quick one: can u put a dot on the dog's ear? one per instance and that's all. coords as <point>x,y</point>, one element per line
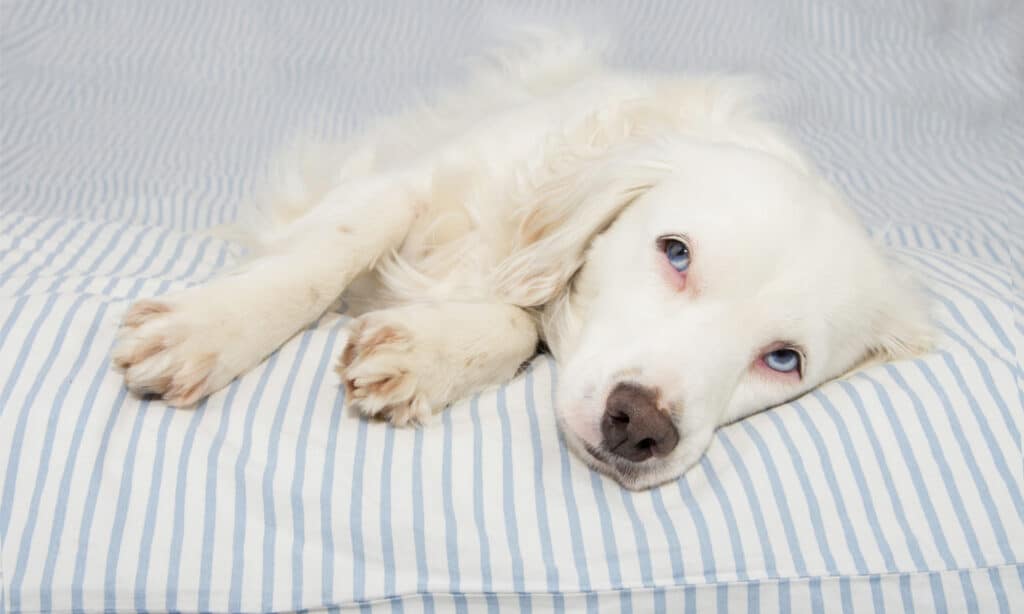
<point>903,327</point>
<point>574,197</point>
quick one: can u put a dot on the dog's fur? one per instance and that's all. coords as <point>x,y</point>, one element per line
<point>528,208</point>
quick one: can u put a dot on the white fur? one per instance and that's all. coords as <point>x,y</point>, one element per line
<point>526,207</point>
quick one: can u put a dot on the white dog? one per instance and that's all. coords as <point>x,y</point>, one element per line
<point>677,254</point>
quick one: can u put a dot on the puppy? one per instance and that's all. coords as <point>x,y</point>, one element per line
<point>679,256</point>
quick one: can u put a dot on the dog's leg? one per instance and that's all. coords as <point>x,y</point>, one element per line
<point>404,364</point>
<point>188,344</point>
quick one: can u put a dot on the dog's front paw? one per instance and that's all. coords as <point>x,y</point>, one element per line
<point>167,349</point>
<point>385,372</point>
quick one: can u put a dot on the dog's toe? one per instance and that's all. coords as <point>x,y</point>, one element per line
<point>161,353</point>
<point>380,370</point>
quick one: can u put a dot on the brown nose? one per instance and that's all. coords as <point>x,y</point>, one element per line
<point>633,427</point>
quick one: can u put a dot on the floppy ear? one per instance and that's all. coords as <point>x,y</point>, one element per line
<point>903,327</point>
<point>573,198</point>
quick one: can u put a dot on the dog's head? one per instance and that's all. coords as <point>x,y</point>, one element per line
<point>696,283</point>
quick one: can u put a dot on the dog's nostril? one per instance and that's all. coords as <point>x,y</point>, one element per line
<point>618,417</point>
<point>634,427</point>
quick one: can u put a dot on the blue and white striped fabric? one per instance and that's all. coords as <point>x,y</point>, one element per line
<point>127,127</point>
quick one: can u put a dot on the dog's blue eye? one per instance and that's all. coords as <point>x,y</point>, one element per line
<point>783,360</point>
<point>678,254</point>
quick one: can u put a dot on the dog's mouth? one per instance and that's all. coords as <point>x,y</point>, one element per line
<point>629,474</point>
<point>597,455</point>
<point>621,466</point>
